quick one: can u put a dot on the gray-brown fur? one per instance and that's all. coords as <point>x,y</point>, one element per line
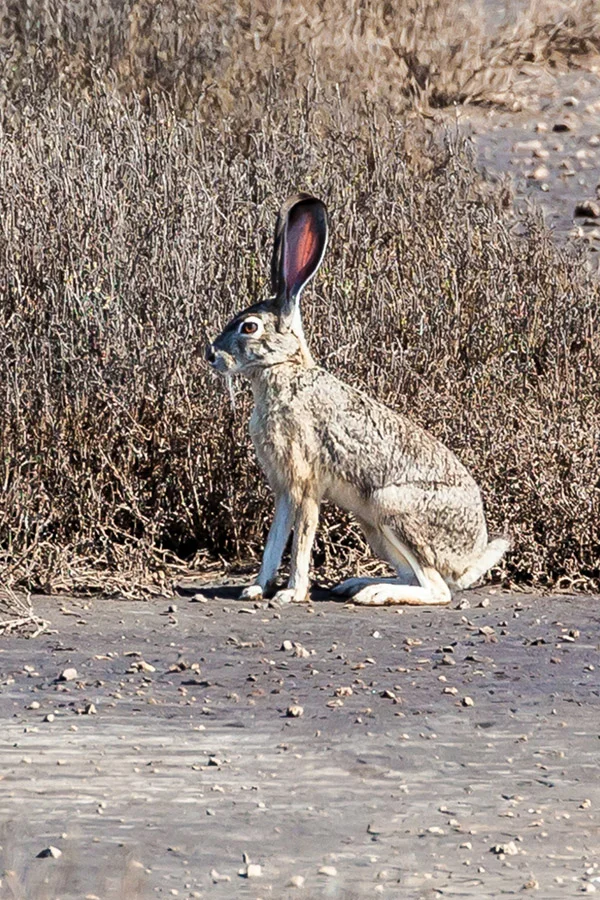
<point>318,438</point>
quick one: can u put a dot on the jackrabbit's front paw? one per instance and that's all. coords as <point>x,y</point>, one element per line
<point>289,595</point>
<point>252,592</point>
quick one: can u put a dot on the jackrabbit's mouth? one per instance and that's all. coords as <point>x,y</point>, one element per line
<point>220,361</point>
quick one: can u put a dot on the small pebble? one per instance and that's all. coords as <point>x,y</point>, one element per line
<point>508,849</point>
<point>253,870</point>
<point>343,692</point>
<point>217,877</point>
<point>68,675</point>
<point>589,208</point>
<point>540,173</point>
<point>49,852</point>
<point>296,881</point>
<point>331,871</point>
<point>294,712</point>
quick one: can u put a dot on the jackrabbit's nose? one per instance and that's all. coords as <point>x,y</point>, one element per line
<point>209,354</point>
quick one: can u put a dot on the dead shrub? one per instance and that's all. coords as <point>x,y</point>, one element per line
<point>144,150</point>
<point>130,234</point>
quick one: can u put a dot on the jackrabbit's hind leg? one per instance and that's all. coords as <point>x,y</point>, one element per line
<point>384,549</point>
<point>431,589</point>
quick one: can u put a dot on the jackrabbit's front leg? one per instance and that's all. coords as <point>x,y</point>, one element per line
<point>305,526</point>
<point>276,541</point>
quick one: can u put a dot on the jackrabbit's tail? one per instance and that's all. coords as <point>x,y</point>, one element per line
<point>477,568</point>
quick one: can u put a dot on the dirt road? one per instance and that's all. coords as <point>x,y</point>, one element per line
<point>549,150</point>
<point>439,752</point>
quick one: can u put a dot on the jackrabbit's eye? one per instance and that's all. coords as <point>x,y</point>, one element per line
<point>250,326</point>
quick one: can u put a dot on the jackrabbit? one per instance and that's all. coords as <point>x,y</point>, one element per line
<point>317,438</point>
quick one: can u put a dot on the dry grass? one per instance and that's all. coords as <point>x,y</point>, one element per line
<point>129,232</point>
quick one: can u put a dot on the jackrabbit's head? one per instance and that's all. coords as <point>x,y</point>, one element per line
<point>271,332</point>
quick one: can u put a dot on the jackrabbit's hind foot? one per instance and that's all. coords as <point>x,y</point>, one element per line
<point>382,594</point>
<point>290,595</point>
<point>351,586</point>
<point>252,592</point>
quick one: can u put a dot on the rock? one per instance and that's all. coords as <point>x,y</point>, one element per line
<point>287,645</point>
<point>68,675</point>
<point>468,701</point>
<point>49,853</point>
<point>508,849</point>
<point>527,145</point>
<point>89,710</point>
<point>296,881</point>
<point>590,208</point>
<point>571,101</point>
<point>141,666</point>
<point>330,871</point>
<point>253,870</point>
<point>585,804</point>
<point>34,705</point>
<point>294,712</point>
<point>217,877</point>
<point>49,717</point>
<point>343,692</point>
<point>560,127</point>
<point>540,173</point>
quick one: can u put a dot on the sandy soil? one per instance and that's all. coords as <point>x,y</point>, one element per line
<point>391,778</point>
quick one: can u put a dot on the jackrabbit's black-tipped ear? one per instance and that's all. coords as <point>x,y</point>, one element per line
<point>300,241</point>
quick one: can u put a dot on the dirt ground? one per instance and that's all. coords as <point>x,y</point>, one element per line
<point>440,752</point>
<point>549,150</point>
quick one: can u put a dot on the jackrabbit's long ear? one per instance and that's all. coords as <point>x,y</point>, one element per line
<point>300,241</point>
